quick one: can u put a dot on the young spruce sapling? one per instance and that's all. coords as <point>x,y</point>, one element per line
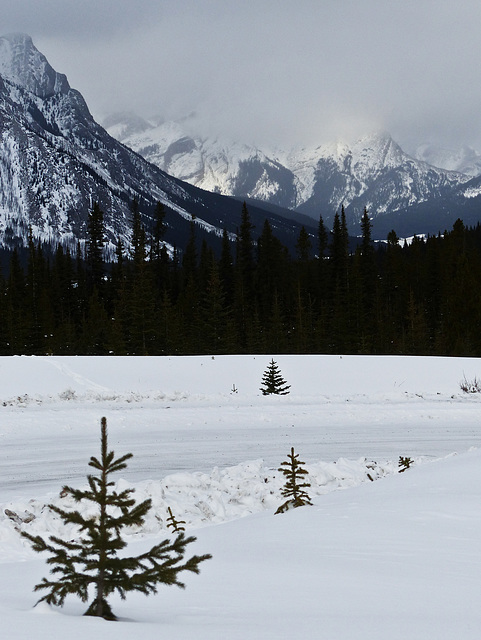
<point>294,489</point>
<point>91,561</point>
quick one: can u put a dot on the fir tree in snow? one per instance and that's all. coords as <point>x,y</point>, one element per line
<point>173,523</point>
<point>404,463</point>
<point>92,561</point>
<point>273,382</point>
<point>294,489</point>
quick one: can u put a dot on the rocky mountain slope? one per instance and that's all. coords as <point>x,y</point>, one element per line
<point>374,172</point>
<point>55,161</point>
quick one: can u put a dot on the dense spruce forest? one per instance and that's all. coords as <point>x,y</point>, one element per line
<point>251,297</point>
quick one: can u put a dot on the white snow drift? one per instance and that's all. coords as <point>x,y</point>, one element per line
<point>380,554</point>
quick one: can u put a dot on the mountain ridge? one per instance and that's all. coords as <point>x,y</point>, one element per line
<point>56,160</point>
<point>374,172</point>
<point>23,64</point>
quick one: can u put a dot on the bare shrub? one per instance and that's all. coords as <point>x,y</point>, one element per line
<point>470,386</point>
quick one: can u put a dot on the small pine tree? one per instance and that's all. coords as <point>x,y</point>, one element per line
<point>404,463</point>
<point>273,382</point>
<point>176,525</point>
<point>92,560</point>
<point>293,489</point>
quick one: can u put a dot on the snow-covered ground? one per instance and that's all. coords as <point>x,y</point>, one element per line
<point>380,554</point>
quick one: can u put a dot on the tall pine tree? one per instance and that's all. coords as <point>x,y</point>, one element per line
<point>95,245</point>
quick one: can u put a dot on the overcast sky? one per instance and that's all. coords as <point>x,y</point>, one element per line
<point>272,71</point>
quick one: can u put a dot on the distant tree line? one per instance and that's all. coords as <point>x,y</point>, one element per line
<point>253,297</point>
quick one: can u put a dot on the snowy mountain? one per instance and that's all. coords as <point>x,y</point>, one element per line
<point>217,165</point>
<point>55,161</point>
<point>374,172</point>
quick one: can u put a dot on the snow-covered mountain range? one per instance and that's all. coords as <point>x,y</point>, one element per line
<point>56,160</point>
<point>373,172</point>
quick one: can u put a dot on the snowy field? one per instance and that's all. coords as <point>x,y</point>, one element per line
<point>380,554</point>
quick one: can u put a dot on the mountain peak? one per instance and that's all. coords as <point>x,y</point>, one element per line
<point>22,64</point>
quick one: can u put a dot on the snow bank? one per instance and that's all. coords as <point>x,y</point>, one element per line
<point>394,557</point>
<point>198,499</point>
<point>316,375</point>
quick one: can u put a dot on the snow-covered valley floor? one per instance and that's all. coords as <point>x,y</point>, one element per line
<point>395,557</point>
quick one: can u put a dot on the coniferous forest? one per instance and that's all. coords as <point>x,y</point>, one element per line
<point>253,296</point>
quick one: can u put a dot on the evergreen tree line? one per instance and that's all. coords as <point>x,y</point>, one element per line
<point>253,297</point>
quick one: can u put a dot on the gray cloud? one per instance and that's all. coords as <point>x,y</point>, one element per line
<point>272,71</point>
<point>85,20</point>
